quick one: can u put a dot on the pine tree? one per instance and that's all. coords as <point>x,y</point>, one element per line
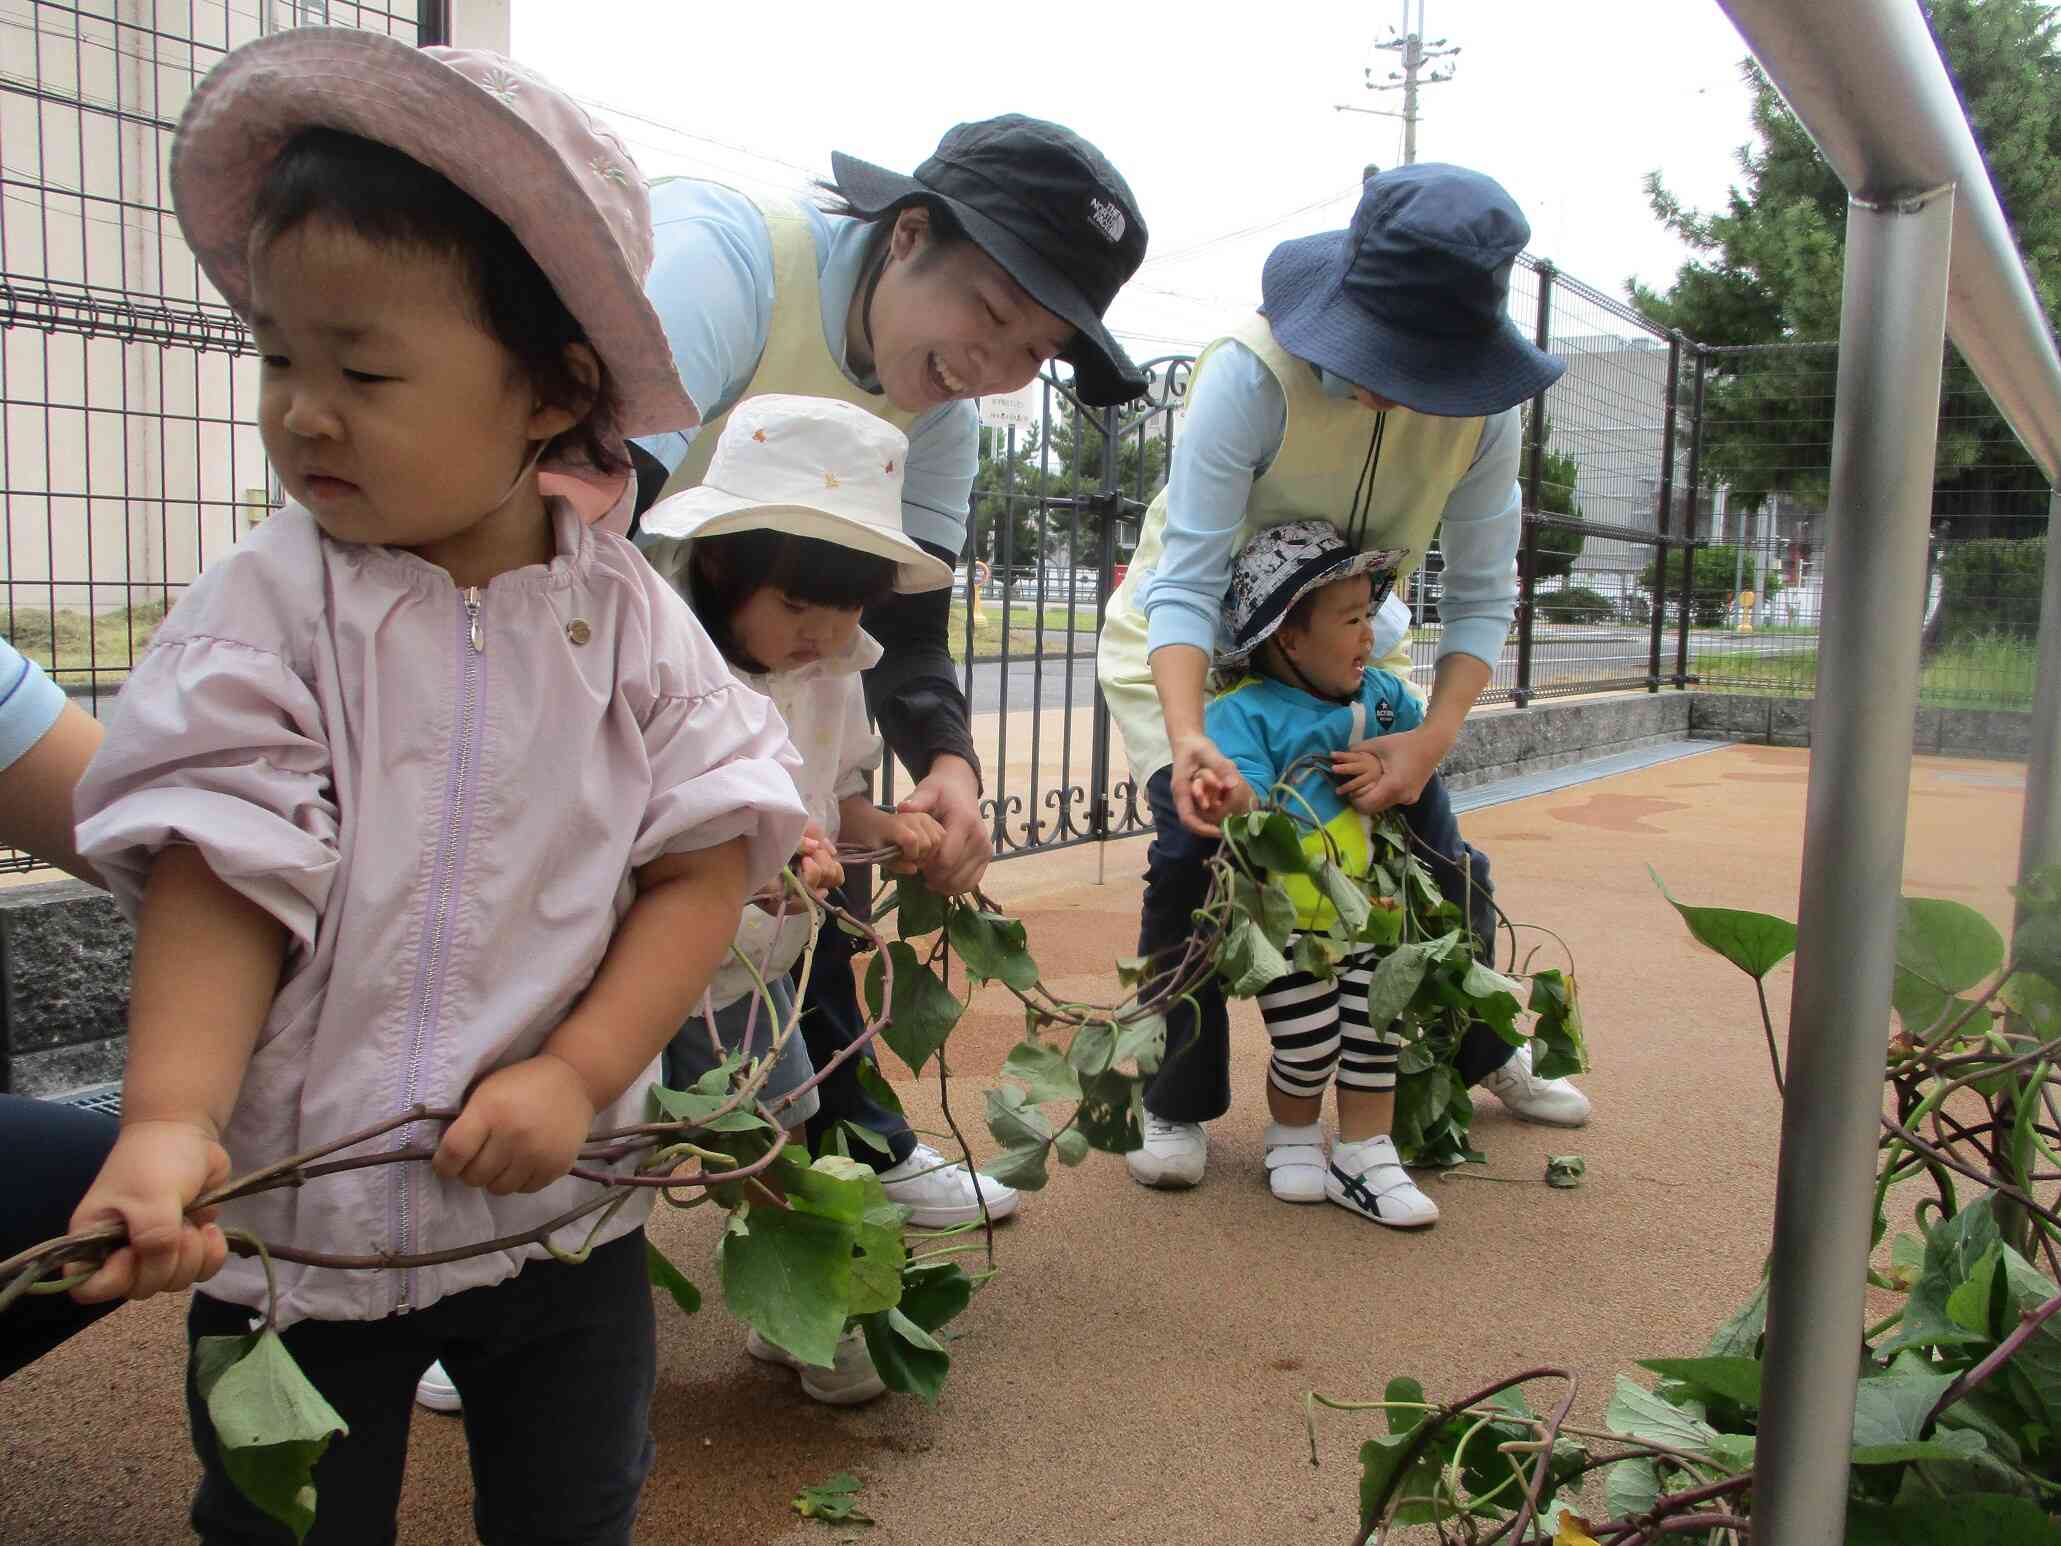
<point>1768,271</point>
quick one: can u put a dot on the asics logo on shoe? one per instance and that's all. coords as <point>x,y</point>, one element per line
<point>1355,1187</point>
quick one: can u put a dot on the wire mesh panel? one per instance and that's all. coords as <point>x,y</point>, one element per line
<point>1053,492</point>
<point>1757,587</point>
<point>129,455</point>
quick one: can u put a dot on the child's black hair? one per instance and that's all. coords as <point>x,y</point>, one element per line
<point>726,571</point>
<point>392,200</point>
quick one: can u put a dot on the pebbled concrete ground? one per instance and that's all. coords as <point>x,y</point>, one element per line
<point>1135,1372</point>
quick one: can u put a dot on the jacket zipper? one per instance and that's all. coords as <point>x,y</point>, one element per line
<point>443,891</point>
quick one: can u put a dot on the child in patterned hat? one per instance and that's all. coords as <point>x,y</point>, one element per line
<point>1300,623</point>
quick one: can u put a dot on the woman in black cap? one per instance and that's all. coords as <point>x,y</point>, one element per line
<point>910,296</point>
<point>1377,388</point>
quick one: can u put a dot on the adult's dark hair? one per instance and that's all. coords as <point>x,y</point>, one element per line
<point>392,200</point>
<point>724,572</point>
<point>945,228</point>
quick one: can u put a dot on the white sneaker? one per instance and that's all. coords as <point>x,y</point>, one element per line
<point>1532,1099</point>
<point>941,1196</point>
<point>435,1390</point>
<point>1368,1178</point>
<point>1173,1155</point>
<point>849,1381</point>
<point>1295,1162</point>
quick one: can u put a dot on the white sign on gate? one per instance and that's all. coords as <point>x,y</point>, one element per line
<point>1012,410</point>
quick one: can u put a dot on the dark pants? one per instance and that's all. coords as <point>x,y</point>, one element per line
<point>556,1365</point>
<point>832,1019</point>
<point>1194,1082</point>
<point>53,1153</point>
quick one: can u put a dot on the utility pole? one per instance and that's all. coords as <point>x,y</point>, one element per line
<point>1416,54</point>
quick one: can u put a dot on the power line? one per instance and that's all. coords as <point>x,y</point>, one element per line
<point>1241,232</point>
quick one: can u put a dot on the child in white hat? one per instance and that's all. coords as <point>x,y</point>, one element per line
<point>429,796</point>
<point>795,530</point>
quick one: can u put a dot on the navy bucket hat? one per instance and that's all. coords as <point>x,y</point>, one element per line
<point>1411,301</point>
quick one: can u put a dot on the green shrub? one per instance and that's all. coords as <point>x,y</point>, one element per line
<point>1716,568</point>
<point>1575,604</point>
<point>1989,587</point>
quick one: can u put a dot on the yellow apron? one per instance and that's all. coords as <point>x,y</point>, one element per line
<point>1312,477</point>
<point>797,358</point>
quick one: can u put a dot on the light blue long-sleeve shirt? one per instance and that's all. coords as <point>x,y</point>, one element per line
<point>29,704</point>
<point>712,284</point>
<point>1237,419</point>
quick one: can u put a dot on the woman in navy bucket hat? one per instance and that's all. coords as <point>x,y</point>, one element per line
<point>1377,388</point>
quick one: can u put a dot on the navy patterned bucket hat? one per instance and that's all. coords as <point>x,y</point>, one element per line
<point>1412,300</point>
<point>1283,564</point>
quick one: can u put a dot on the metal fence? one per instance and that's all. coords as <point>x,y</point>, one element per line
<point>129,452</point>
<point>1671,492</point>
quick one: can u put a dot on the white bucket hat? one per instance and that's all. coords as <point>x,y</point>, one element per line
<point>811,466</point>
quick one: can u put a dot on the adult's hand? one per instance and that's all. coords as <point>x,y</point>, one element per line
<point>1391,770</point>
<point>950,795</point>
<point>1196,756</point>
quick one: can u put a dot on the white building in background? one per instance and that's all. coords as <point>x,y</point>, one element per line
<point>126,456</point>
<point>128,452</point>
<point>1608,413</point>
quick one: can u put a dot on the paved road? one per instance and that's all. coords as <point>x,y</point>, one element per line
<point>1592,654</point>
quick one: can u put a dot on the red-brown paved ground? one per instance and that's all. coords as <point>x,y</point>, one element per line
<point>1135,1372</point>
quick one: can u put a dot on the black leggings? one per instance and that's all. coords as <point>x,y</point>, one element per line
<point>53,1153</point>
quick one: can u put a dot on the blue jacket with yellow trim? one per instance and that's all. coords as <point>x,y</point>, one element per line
<point>1265,727</point>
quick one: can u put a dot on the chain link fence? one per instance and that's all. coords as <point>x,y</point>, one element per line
<point>1756,589</point>
<point>129,451</point>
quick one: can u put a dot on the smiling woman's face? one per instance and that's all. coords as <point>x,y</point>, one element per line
<point>948,321</point>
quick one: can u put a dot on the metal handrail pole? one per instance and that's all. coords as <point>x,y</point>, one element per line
<point>2040,842</point>
<point>1884,434</point>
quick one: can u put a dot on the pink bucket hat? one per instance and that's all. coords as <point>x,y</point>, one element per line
<point>528,153</point>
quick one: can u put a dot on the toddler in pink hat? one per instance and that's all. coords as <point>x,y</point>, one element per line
<point>431,795</point>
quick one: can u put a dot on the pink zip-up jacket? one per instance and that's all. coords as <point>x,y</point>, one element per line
<point>441,794</point>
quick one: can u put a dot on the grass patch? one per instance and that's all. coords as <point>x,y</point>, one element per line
<point>74,648</point>
<point>79,647</point>
<point>1026,623</point>
<point>1996,671</point>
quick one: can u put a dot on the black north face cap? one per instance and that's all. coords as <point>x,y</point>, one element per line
<point>1046,205</point>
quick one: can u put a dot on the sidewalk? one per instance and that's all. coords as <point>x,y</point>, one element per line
<point>1135,1372</point>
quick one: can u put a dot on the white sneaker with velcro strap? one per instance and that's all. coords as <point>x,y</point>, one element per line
<point>1295,1162</point>
<point>1368,1178</point>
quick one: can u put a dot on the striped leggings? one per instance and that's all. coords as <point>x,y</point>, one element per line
<point>1319,1028</point>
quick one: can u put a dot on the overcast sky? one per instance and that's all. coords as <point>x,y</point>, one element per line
<point>1221,116</point>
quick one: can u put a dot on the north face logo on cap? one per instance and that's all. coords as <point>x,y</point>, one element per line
<point>1109,220</point>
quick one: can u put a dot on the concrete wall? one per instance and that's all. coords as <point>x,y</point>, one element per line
<point>1772,721</point>
<point>64,988</point>
<point>1504,741</point>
